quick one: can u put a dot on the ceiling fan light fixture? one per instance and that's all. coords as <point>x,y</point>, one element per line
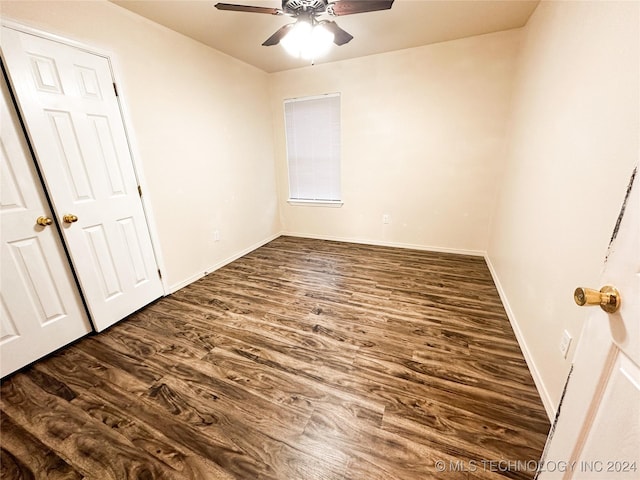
<point>321,41</point>
<point>294,40</point>
<point>307,41</point>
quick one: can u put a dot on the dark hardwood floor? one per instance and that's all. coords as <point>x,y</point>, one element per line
<point>305,359</point>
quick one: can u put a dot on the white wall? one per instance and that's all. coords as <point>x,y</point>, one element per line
<point>573,142</point>
<point>202,123</point>
<point>422,140</point>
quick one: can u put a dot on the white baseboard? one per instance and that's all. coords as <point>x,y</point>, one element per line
<point>429,248</point>
<point>535,373</point>
<point>177,286</point>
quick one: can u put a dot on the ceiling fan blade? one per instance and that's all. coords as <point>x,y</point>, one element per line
<point>248,8</point>
<point>349,7</point>
<point>340,36</point>
<point>279,35</point>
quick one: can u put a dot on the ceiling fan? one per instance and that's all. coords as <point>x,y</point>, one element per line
<point>306,11</point>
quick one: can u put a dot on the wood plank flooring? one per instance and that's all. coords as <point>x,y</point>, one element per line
<point>305,359</point>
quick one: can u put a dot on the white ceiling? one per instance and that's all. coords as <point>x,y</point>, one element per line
<point>409,23</point>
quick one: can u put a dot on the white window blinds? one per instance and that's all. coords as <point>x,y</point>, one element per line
<point>313,148</point>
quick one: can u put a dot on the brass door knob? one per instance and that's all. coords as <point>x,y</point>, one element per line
<point>44,221</point>
<point>69,218</point>
<point>608,298</point>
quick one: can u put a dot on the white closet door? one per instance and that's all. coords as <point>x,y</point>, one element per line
<point>40,307</point>
<point>67,98</point>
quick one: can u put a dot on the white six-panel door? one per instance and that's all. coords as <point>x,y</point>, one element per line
<point>40,307</point>
<point>67,98</point>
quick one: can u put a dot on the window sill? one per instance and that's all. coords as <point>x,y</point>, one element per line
<point>316,203</point>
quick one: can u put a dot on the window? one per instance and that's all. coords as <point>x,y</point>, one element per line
<point>313,149</point>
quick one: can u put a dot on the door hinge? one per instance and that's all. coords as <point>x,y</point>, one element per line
<point>115,89</point>
<point>159,273</point>
<point>139,190</point>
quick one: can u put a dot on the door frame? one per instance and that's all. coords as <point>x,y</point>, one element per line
<point>132,143</point>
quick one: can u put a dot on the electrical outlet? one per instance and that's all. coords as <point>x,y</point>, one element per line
<point>216,235</point>
<point>386,218</point>
<point>565,343</point>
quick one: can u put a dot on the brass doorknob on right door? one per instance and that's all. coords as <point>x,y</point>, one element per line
<point>607,297</point>
<point>69,218</point>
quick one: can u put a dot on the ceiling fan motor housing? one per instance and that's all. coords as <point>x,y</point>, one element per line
<point>308,6</point>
